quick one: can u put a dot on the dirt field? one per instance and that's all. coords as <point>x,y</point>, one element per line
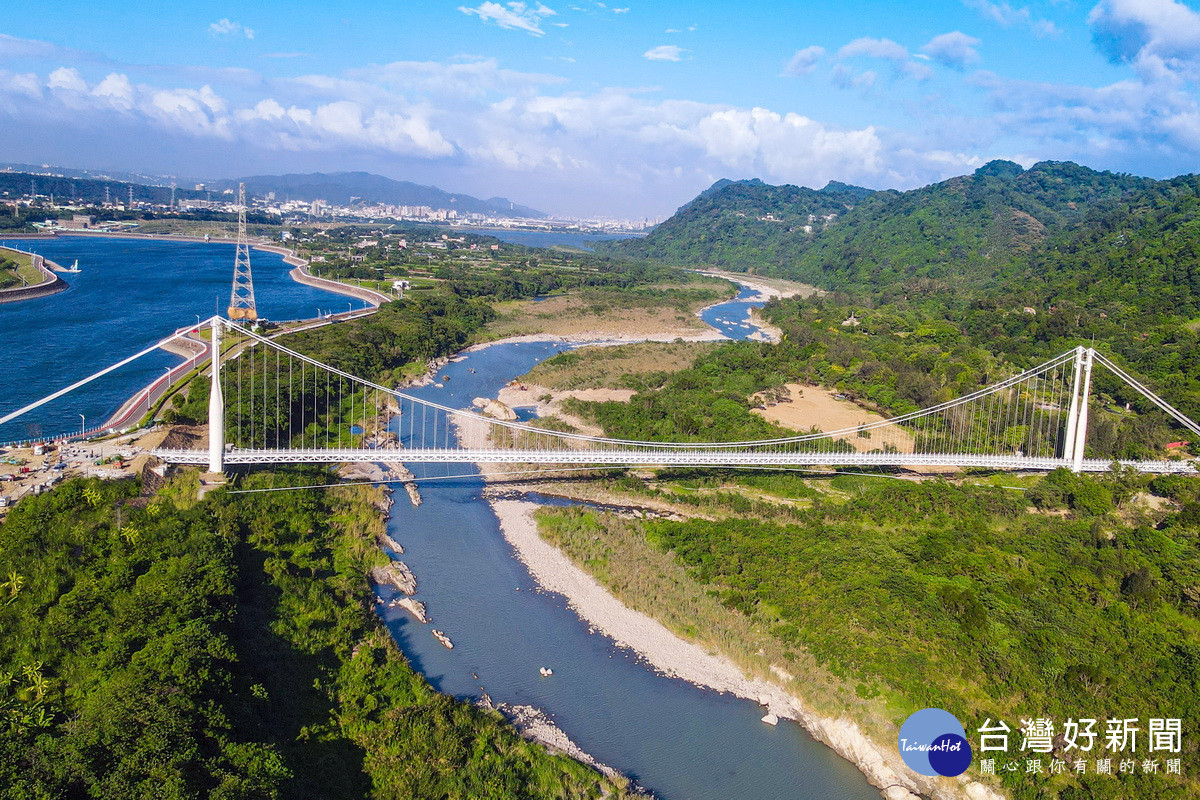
<point>548,403</point>
<point>811,406</point>
<point>662,312</point>
<point>608,367</point>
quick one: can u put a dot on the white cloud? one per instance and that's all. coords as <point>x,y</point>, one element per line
<point>876,48</point>
<point>620,10</point>
<point>478,119</point>
<point>517,16</point>
<point>535,136</point>
<point>68,79</point>
<point>664,52</point>
<point>227,27</point>
<point>886,50</point>
<point>117,90</point>
<point>1159,37</point>
<point>1005,15</point>
<point>954,49</point>
<point>22,86</point>
<point>804,61</point>
<point>471,78</point>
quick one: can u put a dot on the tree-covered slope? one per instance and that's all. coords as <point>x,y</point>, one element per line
<point>1140,254</point>
<point>977,225</point>
<point>155,646</point>
<point>974,226</point>
<point>740,224</point>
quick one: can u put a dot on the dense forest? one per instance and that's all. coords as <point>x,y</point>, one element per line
<point>157,646</point>
<point>973,227</point>
<point>912,595</point>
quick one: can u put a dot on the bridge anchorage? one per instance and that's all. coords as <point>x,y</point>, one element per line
<point>272,405</point>
<point>268,404</point>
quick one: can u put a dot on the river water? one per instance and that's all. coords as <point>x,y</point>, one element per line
<point>677,740</point>
<point>583,241</point>
<point>130,294</point>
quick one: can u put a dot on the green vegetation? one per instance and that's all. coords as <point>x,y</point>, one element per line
<point>630,366</point>
<point>156,646</point>
<point>895,361</point>
<point>403,333</point>
<point>930,594</point>
<point>1013,265</point>
<point>743,225</point>
<point>16,269</point>
<point>972,226</point>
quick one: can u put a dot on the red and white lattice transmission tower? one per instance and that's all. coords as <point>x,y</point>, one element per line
<point>241,300</point>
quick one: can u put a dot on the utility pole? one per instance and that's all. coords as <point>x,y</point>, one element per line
<point>241,299</point>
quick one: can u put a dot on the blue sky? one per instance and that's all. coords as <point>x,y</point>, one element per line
<point>622,109</point>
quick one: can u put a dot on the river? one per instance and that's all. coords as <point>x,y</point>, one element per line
<point>675,739</point>
<point>679,741</point>
<point>130,294</point>
<point>530,238</point>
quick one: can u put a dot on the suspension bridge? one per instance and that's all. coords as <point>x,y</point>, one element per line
<point>269,404</point>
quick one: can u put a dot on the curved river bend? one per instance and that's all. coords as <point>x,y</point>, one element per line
<point>679,741</point>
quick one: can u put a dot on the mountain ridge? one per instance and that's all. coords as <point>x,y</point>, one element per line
<point>339,188</point>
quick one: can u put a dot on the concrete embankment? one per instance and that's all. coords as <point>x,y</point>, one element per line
<point>301,274</point>
<point>52,284</point>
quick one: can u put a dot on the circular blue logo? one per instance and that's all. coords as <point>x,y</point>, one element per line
<point>933,742</point>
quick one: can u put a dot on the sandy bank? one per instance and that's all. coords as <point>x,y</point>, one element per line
<point>605,337</point>
<point>765,288</point>
<point>673,656</point>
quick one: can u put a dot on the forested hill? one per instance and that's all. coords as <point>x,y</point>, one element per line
<point>972,226</point>
<point>745,222</point>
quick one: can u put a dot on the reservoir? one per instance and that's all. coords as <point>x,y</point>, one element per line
<point>129,294</point>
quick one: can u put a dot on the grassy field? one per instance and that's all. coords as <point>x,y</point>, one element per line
<point>627,366</point>
<point>16,269</point>
<point>664,309</point>
<point>189,227</point>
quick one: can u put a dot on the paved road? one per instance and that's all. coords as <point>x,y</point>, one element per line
<point>137,406</point>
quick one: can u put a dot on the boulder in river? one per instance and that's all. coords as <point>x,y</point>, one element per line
<point>390,543</point>
<point>495,409</point>
<point>398,575</point>
<point>414,607</point>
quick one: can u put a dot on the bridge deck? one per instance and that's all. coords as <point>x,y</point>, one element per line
<point>664,457</point>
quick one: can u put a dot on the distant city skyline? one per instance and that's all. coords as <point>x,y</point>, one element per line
<point>591,109</point>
